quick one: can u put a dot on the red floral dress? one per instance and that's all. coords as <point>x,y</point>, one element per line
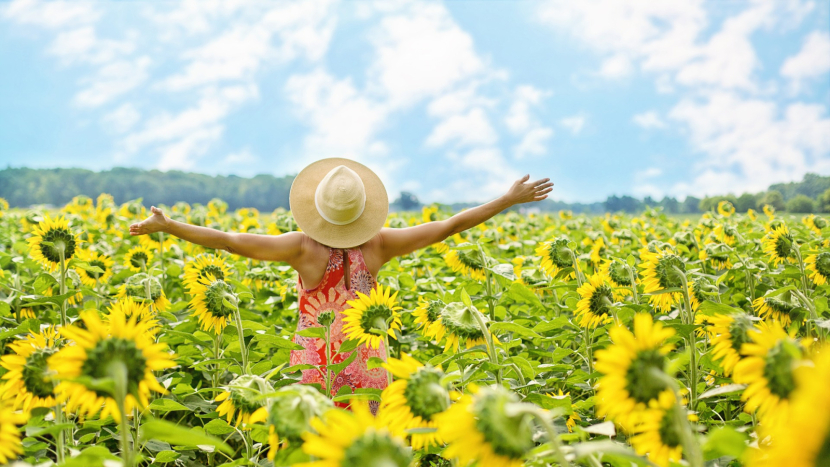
<point>332,294</point>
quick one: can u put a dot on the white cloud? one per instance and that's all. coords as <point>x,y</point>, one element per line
<point>83,45</point>
<point>123,118</point>
<point>470,129</point>
<point>648,120</point>
<point>534,142</point>
<point>749,144</point>
<point>522,122</point>
<point>812,61</point>
<point>616,66</point>
<point>113,80</point>
<point>50,14</point>
<point>574,124</point>
<point>243,157</point>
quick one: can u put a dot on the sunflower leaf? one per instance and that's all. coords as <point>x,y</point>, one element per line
<point>317,331</point>
<point>178,436</point>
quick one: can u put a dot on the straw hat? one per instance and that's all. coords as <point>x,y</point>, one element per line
<point>338,202</point>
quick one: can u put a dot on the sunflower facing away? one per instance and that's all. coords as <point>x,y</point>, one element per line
<point>136,286</point>
<point>201,266</point>
<point>93,258</point>
<point>617,274</point>
<point>427,312</point>
<point>49,238</point>
<point>818,265</point>
<point>414,399</point>
<point>772,360</point>
<point>659,274</point>
<point>290,413</point>
<point>555,256</point>
<point>92,351</point>
<point>730,333</point>
<point>775,308</point>
<point>457,323</point>
<point>627,384</point>
<point>240,401</point>
<point>27,380</point>
<point>350,439</point>
<point>467,262</point>
<point>725,208</point>
<point>596,302</point>
<point>478,428</point>
<point>778,245</point>
<point>804,440</point>
<point>370,314</point>
<point>208,304</point>
<point>656,435</point>
<point>138,259</point>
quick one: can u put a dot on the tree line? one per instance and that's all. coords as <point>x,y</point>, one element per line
<point>23,187</point>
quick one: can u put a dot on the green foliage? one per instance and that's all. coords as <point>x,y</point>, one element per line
<point>801,204</point>
<point>773,198</point>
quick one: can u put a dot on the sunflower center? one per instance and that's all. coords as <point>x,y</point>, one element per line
<point>34,373</point>
<point>558,254</point>
<point>470,258</point>
<point>375,449</point>
<point>739,332</point>
<point>139,259</point>
<point>641,385</point>
<point>212,269</point>
<point>424,394</point>
<point>61,239</point>
<point>509,436</point>
<point>665,271</point>
<point>778,369</point>
<point>619,274</point>
<point>669,435</point>
<point>783,246</point>
<point>375,316</point>
<point>601,300</point>
<point>823,263</point>
<point>434,310</point>
<point>459,321</point>
<point>115,349</point>
<point>96,263</point>
<point>214,298</point>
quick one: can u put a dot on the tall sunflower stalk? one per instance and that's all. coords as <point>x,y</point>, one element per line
<point>689,318</point>
<point>491,347</point>
<point>232,300</point>
<point>488,276</point>
<point>119,372</point>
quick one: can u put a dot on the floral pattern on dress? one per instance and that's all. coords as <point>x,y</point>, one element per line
<point>332,294</point>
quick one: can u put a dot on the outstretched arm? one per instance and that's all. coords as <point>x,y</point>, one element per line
<point>286,247</point>
<point>398,242</point>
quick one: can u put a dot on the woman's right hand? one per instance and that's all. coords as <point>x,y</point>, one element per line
<point>523,192</point>
<point>155,223</point>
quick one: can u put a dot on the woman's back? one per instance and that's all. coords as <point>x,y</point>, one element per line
<point>332,294</point>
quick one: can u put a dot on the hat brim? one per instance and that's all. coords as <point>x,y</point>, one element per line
<point>358,232</point>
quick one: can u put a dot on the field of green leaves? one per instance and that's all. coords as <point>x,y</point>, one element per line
<point>539,339</point>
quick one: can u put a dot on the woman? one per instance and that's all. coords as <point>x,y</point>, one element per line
<point>341,206</point>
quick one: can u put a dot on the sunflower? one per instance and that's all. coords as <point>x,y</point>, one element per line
<point>656,435</point>
<point>203,264</point>
<point>659,274</point>
<point>819,266</point>
<point>696,295</point>
<point>596,302</point>
<point>27,379</point>
<point>50,239</point>
<point>290,414</point>
<point>357,438</point>
<point>136,287</point>
<point>429,214</point>
<point>597,249</point>
<point>769,211</point>
<point>725,208</point>
<point>775,308</point>
<point>10,446</point>
<point>208,303</point>
<point>371,314</point>
<point>627,384</point>
<point>571,422</point>
<point>138,259</point>
<point>458,325</point>
<point>804,439</point>
<point>555,256</point>
<point>616,272</point>
<point>771,361</point>
<point>240,401</point>
<point>467,262</point>
<point>93,352</point>
<point>751,214</point>
<point>93,258</point>
<point>414,399</point>
<point>730,332</point>
<point>427,312</point>
<point>153,241</point>
<point>717,254</point>
<point>479,428</point>
<point>778,244</point>
<point>814,223</point>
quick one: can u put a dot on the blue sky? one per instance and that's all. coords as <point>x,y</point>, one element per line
<point>450,100</point>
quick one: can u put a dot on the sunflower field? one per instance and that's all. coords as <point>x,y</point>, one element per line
<point>538,340</point>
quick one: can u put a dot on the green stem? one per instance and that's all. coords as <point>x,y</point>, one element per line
<point>60,449</point>
<point>553,437</point>
<point>161,257</point>
<point>586,333</point>
<point>386,349</point>
<point>62,286</point>
<point>120,373</point>
<point>242,348</point>
<point>801,267</point>
<point>691,340</point>
<point>491,347</point>
<point>632,277</point>
<point>691,448</point>
<point>216,343</point>
<point>487,287</point>
<point>576,267</point>
<point>328,361</point>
